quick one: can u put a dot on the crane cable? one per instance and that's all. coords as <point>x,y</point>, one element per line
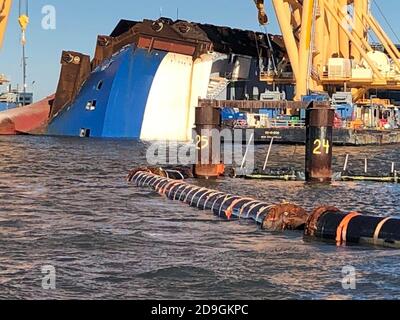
<point>259,54</point>
<point>271,48</point>
<point>310,68</point>
<point>368,30</point>
<point>386,20</point>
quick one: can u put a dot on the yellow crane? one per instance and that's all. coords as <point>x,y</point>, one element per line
<point>327,43</point>
<point>23,20</point>
<point>5,8</point>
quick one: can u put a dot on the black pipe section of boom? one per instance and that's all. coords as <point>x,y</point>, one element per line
<point>332,225</point>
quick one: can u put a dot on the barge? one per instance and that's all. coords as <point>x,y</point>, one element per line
<point>341,137</point>
<point>369,122</point>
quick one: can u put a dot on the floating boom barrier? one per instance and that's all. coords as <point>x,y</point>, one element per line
<point>332,225</point>
<point>273,217</point>
<point>325,223</point>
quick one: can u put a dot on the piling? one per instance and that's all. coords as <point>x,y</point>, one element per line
<point>319,140</point>
<point>207,124</point>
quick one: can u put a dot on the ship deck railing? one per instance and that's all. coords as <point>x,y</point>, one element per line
<point>285,124</point>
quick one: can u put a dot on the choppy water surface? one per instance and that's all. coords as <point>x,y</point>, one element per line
<point>64,202</point>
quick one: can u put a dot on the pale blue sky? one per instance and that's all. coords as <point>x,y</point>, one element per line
<point>80,21</point>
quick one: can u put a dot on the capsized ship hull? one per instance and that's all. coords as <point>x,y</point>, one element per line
<point>137,94</point>
<point>146,78</point>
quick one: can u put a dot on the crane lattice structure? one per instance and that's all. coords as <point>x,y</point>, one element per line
<point>327,43</point>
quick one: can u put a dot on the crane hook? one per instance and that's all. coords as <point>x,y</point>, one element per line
<point>262,16</point>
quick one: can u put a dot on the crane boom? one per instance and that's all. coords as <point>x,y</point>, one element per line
<point>327,46</point>
<point>5,7</point>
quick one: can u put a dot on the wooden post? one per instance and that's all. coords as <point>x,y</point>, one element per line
<point>346,163</point>
<point>247,151</point>
<point>268,154</point>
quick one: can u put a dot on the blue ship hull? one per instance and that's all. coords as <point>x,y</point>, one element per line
<point>120,87</point>
<point>136,94</point>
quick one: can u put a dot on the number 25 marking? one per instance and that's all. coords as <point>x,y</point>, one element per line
<point>202,142</point>
<point>323,145</point>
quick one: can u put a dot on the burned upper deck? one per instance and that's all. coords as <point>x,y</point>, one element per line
<point>223,39</point>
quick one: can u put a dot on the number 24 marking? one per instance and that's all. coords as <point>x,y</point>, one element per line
<point>323,145</point>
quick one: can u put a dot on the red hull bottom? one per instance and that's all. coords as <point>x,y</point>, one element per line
<point>26,119</point>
